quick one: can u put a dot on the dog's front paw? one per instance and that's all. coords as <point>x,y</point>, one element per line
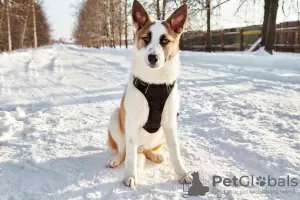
<point>186,178</point>
<point>129,182</point>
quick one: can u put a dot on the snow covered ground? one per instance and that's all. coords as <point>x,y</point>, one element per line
<point>240,116</point>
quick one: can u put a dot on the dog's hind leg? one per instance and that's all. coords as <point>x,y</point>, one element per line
<point>154,156</point>
<point>116,140</point>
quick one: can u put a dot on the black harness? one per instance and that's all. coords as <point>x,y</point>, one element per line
<point>156,95</point>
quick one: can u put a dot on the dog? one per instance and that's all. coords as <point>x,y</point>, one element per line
<point>146,118</point>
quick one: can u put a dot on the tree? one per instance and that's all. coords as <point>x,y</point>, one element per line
<point>7,6</point>
<point>209,9</point>
<point>34,24</point>
<point>22,24</point>
<point>101,23</point>
<point>126,23</point>
<point>120,23</point>
<point>208,35</point>
<point>269,25</point>
<point>157,9</point>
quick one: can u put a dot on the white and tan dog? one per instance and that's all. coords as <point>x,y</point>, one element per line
<point>155,61</point>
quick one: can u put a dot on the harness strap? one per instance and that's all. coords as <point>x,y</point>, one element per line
<point>156,95</point>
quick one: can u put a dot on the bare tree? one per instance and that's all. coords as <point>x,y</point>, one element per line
<point>157,9</point>
<point>209,8</point>
<point>269,25</point>
<point>112,22</point>
<point>208,35</point>
<point>94,23</point>
<point>7,6</point>
<point>1,14</point>
<point>19,31</point>
<point>24,27</point>
<point>120,22</point>
<point>126,23</point>
<point>164,5</point>
<point>34,24</point>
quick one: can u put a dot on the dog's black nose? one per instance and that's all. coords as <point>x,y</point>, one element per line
<point>152,58</point>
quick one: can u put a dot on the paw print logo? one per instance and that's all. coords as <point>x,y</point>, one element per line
<point>261,181</point>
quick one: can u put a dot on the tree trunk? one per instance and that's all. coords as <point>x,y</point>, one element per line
<point>8,24</point>
<point>241,40</point>
<point>265,23</point>
<point>112,23</point>
<point>271,30</point>
<point>1,18</point>
<point>157,9</point>
<point>208,42</point>
<point>108,23</point>
<point>126,25</point>
<point>34,25</point>
<point>24,28</point>
<point>299,35</point>
<point>164,9</point>
<point>120,22</point>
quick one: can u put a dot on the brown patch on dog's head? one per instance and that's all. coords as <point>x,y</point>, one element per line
<point>175,26</point>
<point>143,35</point>
<point>141,22</point>
<point>169,42</point>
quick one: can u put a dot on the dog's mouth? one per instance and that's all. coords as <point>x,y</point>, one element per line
<point>154,66</point>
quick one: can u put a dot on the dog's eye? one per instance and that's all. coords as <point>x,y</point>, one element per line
<point>146,39</point>
<point>165,41</point>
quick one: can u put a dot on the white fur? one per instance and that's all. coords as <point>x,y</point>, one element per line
<point>137,110</point>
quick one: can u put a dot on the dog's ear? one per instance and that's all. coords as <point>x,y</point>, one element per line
<point>178,19</point>
<point>140,16</point>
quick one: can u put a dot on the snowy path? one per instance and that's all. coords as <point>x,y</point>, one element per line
<point>240,115</point>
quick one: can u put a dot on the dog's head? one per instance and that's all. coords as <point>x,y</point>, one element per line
<point>157,41</point>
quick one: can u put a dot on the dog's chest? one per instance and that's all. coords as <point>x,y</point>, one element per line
<point>137,106</point>
<point>137,112</point>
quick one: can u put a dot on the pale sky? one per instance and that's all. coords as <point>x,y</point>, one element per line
<point>60,14</point>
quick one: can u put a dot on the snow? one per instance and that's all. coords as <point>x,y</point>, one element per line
<point>240,115</point>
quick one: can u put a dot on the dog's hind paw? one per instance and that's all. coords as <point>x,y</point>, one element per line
<point>159,158</point>
<point>154,157</point>
<point>115,161</point>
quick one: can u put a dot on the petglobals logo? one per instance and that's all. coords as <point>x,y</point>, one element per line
<point>251,181</point>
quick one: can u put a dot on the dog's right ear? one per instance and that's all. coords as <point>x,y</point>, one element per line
<point>140,16</point>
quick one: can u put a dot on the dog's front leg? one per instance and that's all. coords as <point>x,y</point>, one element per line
<point>170,132</point>
<point>130,176</point>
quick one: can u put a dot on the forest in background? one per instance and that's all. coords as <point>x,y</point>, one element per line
<point>23,24</point>
<point>105,22</point>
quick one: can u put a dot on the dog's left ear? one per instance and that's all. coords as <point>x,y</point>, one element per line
<point>178,19</point>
